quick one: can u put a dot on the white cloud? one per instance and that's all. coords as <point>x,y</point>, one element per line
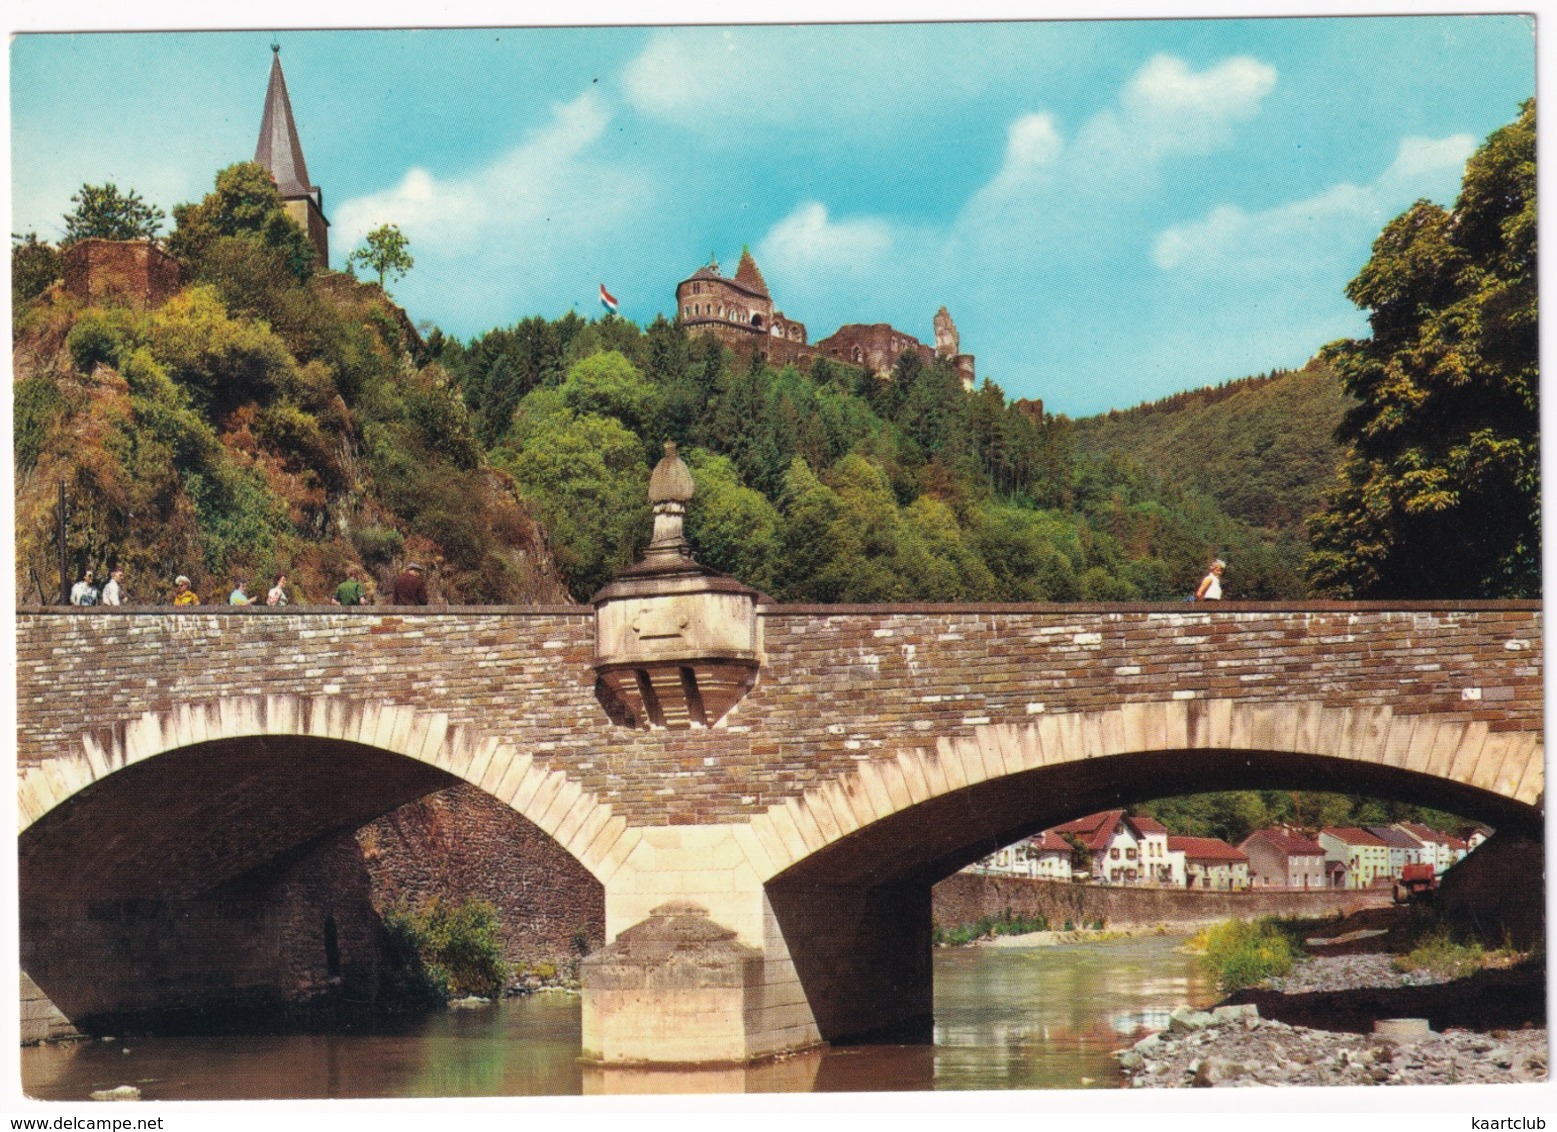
<point>548,187</point>
<point>1301,235</point>
<point>809,241</point>
<point>725,82</point>
<point>1166,109</point>
<point>1195,110</point>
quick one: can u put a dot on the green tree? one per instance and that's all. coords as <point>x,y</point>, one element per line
<point>104,212</point>
<point>586,479</point>
<point>34,265</point>
<point>1439,493</point>
<point>246,205</point>
<point>387,252</point>
<point>731,527</point>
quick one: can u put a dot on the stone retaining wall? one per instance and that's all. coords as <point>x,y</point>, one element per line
<point>965,898</point>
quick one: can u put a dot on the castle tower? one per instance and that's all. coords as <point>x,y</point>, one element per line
<point>281,153</point>
<point>947,343</point>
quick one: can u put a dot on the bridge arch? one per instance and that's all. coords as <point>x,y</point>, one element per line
<point>559,805</point>
<point>849,865</point>
<point>184,867</point>
<point>929,811</point>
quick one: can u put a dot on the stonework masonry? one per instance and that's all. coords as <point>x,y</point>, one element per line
<point>840,686</point>
<point>131,271</point>
<point>965,898</point>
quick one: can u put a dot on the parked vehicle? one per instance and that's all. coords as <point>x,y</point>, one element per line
<point>1416,884</point>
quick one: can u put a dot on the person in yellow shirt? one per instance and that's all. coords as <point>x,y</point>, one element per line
<point>183,595</point>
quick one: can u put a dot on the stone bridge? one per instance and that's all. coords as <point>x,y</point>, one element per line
<point>765,812</point>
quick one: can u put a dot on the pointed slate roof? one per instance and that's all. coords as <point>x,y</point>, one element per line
<point>748,275</point>
<point>279,149</point>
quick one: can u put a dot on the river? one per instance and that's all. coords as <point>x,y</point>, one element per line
<point>1005,1018</point>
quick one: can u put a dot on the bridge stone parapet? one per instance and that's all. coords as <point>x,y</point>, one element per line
<point>839,686</point>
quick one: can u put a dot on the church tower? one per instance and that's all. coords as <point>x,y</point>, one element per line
<point>281,153</point>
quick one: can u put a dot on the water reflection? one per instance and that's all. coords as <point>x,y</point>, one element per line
<point>1005,1018</point>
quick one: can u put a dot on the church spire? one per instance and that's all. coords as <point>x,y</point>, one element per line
<point>280,153</point>
<point>279,149</point>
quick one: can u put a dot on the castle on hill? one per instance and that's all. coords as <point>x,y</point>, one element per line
<point>739,312</point>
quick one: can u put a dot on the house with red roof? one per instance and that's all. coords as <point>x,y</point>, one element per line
<point>1365,856</point>
<point>1282,858</point>
<point>1121,849</point>
<point>1210,862</point>
<point>1044,856</point>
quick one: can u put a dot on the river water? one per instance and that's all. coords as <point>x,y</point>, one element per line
<point>1005,1018</point>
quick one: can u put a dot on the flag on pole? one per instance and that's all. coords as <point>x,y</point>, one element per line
<point>607,300</point>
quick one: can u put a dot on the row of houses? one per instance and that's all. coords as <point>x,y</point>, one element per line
<point>1114,847</point>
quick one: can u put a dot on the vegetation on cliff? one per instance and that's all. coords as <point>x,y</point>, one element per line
<point>267,419</point>
<point>833,485</point>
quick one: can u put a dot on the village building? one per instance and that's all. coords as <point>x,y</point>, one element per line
<point>1403,848</point>
<point>1438,849</point>
<point>1043,856</point>
<point>1475,835</point>
<point>739,311</point>
<point>1281,858</point>
<point>1365,856</point>
<point>1210,862</point>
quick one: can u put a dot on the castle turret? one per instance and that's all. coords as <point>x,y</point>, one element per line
<point>281,153</point>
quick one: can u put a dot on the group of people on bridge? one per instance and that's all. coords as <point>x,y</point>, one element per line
<point>408,588</point>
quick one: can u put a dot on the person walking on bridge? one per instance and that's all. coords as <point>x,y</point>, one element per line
<point>183,595</point>
<point>113,592</point>
<point>409,588</point>
<point>84,592</point>
<point>350,592</point>
<point>1211,585</point>
<point>278,592</point>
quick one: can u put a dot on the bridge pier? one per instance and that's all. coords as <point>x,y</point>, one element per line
<point>709,965</point>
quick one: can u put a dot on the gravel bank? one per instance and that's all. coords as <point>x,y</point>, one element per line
<point>1234,1045</point>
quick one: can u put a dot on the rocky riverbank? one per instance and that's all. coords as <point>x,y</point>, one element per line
<point>1315,1027</point>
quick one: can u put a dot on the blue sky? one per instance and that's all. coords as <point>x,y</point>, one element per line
<point>1111,211</point>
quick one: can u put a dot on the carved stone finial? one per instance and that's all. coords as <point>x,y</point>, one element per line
<point>670,486</point>
<point>670,482</point>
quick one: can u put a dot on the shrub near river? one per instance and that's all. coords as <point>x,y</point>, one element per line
<point>1242,953</point>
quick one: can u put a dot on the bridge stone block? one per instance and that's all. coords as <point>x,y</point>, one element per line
<point>1532,783</point>
<point>574,817</point>
<point>788,832</point>
<point>911,767</point>
<point>676,988</point>
<point>529,786</point>
<point>614,845</point>
<point>811,834</point>
<point>477,769</point>
<point>514,774</point>
<point>577,840</point>
<point>564,799</point>
<point>97,755</point>
<point>1469,751</point>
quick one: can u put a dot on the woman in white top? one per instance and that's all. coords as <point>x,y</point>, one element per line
<point>1211,585</point>
<point>278,592</point>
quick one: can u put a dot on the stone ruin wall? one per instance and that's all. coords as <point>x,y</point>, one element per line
<point>134,270</point>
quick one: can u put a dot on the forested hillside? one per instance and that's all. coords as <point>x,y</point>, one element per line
<point>832,485</point>
<point>266,419</point>
<point>1264,447</point>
